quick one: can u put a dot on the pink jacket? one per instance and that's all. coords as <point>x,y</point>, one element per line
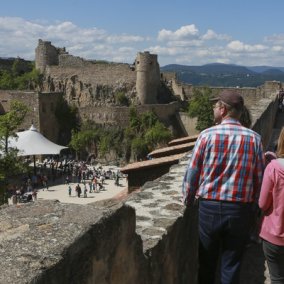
<point>271,201</point>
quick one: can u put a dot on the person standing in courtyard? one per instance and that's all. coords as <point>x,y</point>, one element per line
<point>271,201</point>
<point>85,190</point>
<point>224,174</point>
<point>78,190</point>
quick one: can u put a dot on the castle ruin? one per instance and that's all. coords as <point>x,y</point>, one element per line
<point>93,87</point>
<point>84,81</point>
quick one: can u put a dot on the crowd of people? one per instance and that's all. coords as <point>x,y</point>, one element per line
<point>51,172</point>
<point>230,181</point>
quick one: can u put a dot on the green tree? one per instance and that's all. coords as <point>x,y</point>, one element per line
<point>105,144</point>
<point>142,135</point>
<point>20,77</point>
<point>81,141</point>
<point>139,148</point>
<point>10,121</point>
<point>7,80</point>
<point>10,164</point>
<point>134,120</point>
<point>157,134</point>
<point>10,167</point>
<point>200,106</point>
<point>66,116</point>
<point>28,80</point>
<point>148,120</point>
<point>145,132</point>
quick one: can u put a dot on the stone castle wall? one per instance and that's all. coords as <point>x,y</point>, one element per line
<point>5,98</point>
<point>96,84</point>
<point>48,124</point>
<point>250,94</point>
<point>95,74</point>
<point>45,54</point>
<point>120,115</point>
<point>30,99</point>
<point>56,62</point>
<point>148,77</point>
<point>67,60</point>
<point>41,110</point>
<point>92,86</point>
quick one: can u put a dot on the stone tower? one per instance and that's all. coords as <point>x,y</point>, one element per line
<point>45,54</point>
<point>147,78</point>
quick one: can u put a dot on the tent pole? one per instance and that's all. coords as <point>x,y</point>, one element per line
<point>34,165</point>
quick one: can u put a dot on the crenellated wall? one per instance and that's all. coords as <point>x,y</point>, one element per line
<point>59,67</point>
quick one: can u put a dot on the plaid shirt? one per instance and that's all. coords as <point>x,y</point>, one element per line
<point>227,163</point>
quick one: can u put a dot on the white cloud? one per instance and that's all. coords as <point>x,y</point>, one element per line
<point>238,46</point>
<point>278,48</point>
<point>185,45</point>
<point>211,35</point>
<point>124,38</point>
<point>185,32</point>
<point>19,37</point>
<point>275,39</point>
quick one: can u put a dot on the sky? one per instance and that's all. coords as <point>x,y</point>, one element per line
<point>187,32</point>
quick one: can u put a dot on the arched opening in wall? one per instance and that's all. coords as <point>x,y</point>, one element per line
<point>43,109</point>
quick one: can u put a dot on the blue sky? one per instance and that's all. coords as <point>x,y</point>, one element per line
<point>243,32</point>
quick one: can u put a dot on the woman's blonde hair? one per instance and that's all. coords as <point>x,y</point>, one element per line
<point>280,144</point>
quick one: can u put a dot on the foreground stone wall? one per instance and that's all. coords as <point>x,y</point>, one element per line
<point>150,238</point>
<point>49,242</point>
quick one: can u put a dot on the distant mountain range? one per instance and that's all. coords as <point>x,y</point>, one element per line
<point>227,75</point>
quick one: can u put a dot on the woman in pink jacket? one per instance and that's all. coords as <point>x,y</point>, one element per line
<point>271,201</point>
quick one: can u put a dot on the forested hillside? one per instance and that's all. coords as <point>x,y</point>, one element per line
<point>226,75</point>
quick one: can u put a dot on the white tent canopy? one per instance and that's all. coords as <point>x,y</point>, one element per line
<point>31,142</point>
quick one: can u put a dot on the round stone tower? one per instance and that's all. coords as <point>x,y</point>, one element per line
<point>147,77</point>
<point>45,54</point>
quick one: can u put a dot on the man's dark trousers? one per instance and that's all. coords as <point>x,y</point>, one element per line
<point>224,229</point>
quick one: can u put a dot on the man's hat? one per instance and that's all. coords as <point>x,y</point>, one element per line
<point>231,97</point>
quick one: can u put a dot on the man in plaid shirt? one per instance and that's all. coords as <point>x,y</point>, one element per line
<point>224,173</point>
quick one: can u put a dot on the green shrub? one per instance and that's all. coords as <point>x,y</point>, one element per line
<point>121,99</point>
